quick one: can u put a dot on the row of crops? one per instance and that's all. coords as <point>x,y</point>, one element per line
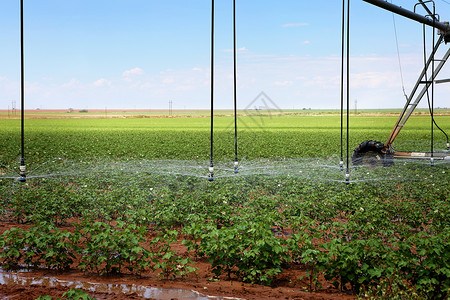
<point>189,138</point>
<point>96,199</point>
<point>373,238</point>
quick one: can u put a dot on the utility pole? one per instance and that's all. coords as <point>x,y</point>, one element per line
<point>13,108</point>
<point>170,107</point>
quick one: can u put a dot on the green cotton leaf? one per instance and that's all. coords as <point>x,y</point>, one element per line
<point>46,297</point>
<point>15,252</point>
<point>136,249</point>
<point>167,255</point>
<point>376,272</point>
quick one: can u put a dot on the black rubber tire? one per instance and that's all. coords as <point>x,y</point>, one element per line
<point>371,154</point>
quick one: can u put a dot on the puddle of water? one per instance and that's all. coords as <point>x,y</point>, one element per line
<point>110,288</point>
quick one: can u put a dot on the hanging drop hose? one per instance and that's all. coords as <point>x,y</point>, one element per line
<point>236,162</point>
<point>347,172</point>
<point>431,107</point>
<point>341,161</point>
<point>211,165</point>
<point>431,104</point>
<point>22,167</point>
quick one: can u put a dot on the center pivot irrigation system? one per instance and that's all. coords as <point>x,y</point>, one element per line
<point>371,152</point>
<point>376,153</point>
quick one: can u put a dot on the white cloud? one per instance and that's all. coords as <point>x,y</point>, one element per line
<point>102,82</point>
<point>306,81</point>
<point>241,49</point>
<point>295,24</point>
<point>374,80</point>
<point>306,42</point>
<point>168,80</point>
<point>185,88</point>
<point>72,83</point>
<point>147,85</point>
<point>132,72</point>
<point>283,83</point>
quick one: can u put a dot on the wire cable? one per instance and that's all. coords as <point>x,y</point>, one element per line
<point>398,56</point>
<point>211,165</point>
<point>236,163</point>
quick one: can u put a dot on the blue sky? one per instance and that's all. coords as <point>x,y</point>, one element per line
<point>143,54</point>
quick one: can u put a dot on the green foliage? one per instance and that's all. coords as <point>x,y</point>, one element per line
<point>395,288</point>
<point>424,260</point>
<point>359,263</point>
<point>167,261</point>
<point>107,248</point>
<point>45,201</point>
<point>77,294</point>
<point>384,238</point>
<point>72,294</point>
<point>188,138</point>
<point>43,244</point>
<point>247,249</point>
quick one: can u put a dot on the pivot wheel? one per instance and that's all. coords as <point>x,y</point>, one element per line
<point>371,159</point>
<point>371,154</point>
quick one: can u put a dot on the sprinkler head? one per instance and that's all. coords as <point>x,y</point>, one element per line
<point>341,165</point>
<point>211,173</point>
<point>448,146</point>
<point>432,161</point>
<point>22,169</point>
<point>236,167</point>
<point>347,178</point>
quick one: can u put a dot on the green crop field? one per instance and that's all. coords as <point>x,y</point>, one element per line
<point>259,136</point>
<point>129,189</point>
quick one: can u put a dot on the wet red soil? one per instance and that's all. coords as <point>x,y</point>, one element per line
<point>287,286</point>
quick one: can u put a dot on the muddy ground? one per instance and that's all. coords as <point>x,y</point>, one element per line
<point>30,284</point>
